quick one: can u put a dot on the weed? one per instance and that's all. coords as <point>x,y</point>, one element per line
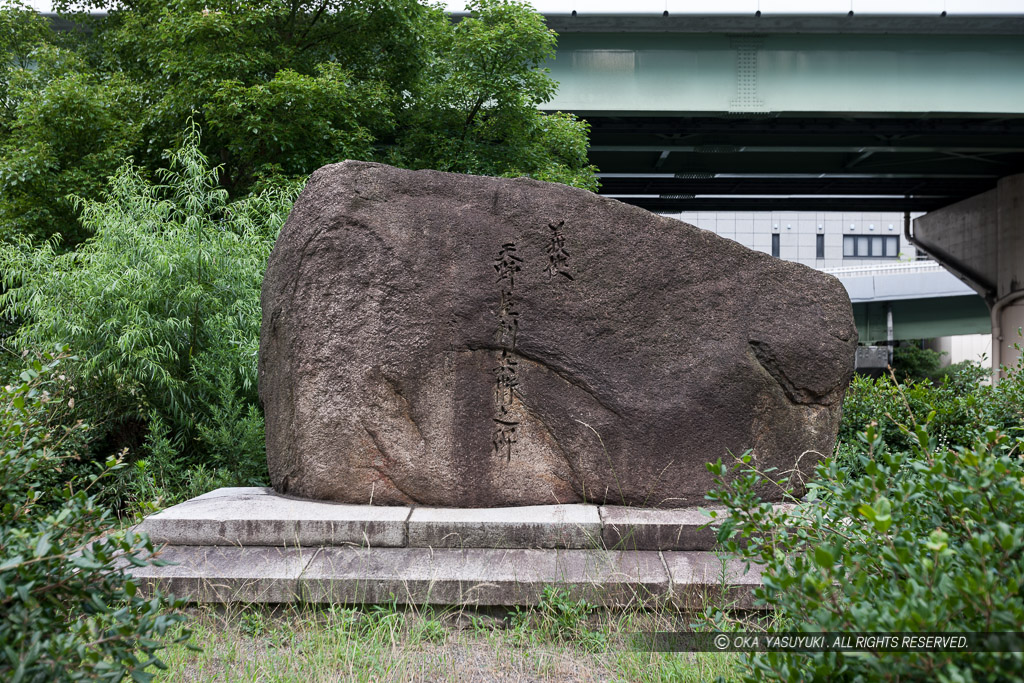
<point>393,642</point>
<point>558,618</point>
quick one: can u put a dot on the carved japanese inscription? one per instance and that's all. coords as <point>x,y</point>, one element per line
<point>506,265</point>
<point>558,255</point>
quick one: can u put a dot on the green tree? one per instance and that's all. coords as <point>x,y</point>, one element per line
<point>280,89</point>
<point>21,31</point>
<point>70,129</point>
<point>910,361</point>
<point>63,127</point>
<point>293,124</point>
<point>475,108</point>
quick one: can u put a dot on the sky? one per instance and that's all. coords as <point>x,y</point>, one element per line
<point>952,7</point>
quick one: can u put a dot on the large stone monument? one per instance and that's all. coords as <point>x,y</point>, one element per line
<point>450,340</point>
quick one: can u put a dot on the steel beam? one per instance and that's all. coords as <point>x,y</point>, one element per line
<point>670,204</point>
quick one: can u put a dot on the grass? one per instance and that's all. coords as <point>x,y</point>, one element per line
<point>561,640</point>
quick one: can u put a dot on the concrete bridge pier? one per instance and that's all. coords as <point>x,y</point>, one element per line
<point>981,241</point>
<point>1007,323</point>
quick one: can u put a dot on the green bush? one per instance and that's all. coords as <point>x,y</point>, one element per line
<point>927,538</point>
<point>910,361</point>
<point>162,306</point>
<point>964,406</point>
<point>68,611</point>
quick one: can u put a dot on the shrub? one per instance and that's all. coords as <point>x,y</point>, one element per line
<point>930,538</point>
<point>68,611</point>
<point>910,361</point>
<point>162,305</point>
<point>964,406</point>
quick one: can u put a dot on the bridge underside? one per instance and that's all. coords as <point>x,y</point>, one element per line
<point>801,162</point>
<point>715,116</point>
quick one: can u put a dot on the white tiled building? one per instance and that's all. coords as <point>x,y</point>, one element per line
<point>818,240</point>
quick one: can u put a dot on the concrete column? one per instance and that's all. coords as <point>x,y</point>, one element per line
<point>1007,326</point>
<point>981,241</point>
<point>1008,307</point>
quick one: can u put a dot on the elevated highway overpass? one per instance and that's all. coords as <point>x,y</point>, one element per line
<point>920,299</point>
<point>868,112</point>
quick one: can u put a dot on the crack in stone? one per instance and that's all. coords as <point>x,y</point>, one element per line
<point>406,407</point>
<point>553,370</point>
<point>379,445</point>
<point>558,445</point>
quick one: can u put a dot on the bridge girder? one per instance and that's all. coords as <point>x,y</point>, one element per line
<point>738,121</point>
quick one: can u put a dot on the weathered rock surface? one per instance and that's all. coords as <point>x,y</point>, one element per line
<point>450,340</point>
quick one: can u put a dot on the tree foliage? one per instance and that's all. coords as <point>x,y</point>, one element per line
<point>64,129</point>
<point>476,109</point>
<point>21,31</point>
<point>280,89</point>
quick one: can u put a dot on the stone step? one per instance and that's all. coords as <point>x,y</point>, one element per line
<point>449,576</point>
<point>254,545</point>
<point>260,517</point>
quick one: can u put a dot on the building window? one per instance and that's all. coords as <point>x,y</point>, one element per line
<point>775,246</point>
<point>870,246</point>
<point>819,246</point>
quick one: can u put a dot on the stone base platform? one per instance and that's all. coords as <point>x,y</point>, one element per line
<point>254,545</point>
